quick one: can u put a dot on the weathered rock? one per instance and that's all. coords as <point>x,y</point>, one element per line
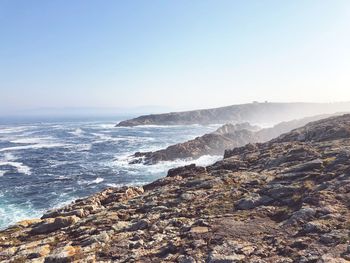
<point>252,201</point>
<point>186,171</point>
<point>64,255</point>
<point>215,143</point>
<point>245,208</point>
<point>53,225</point>
<point>139,225</point>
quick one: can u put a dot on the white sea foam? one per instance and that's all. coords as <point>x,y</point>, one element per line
<point>102,137</point>
<point>2,173</point>
<point>201,161</point>
<point>163,166</point>
<point>14,129</point>
<point>134,183</point>
<point>115,185</point>
<point>33,140</point>
<point>21,168</point>
<point>14,213</point>
<point>97,180</point>
<point>86,182</point>
<point>10,160</point>
<point>33,146</point>
<point>63,201</point>
<point>80,147</point>
<point>33,143</point>
<point>106,137</point>
<point>106,126</point>
<point>77,132</point>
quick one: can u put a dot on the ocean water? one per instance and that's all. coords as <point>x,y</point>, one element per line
<point>44,165</point>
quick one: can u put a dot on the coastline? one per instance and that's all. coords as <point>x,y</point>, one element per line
<point>282,201</point>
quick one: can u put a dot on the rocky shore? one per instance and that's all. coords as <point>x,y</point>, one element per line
<point>226,137</point>
<point>252,112</point>
<point>286,200</point>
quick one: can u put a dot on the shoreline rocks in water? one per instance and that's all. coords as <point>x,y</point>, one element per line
<point>226,137</point>
<point>252,112</point>
<point>286,200</point>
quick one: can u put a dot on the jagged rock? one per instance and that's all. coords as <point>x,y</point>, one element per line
<point>53,225</point>
<point>315,227</point>
<point>186,171</point>
<point>186,259</point>
<point>63,255</point>
<point>142,224</point>
<point>28,222</point>
<point>215,143</point>
<point>302,215</point>
<point>252,201</point>
<point>244,208</point>
<point>311,165</point>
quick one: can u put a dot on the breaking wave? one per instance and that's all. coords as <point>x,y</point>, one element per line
<point>69,160</point>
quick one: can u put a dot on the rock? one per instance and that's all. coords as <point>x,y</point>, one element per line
<point>334,237</point>
<point>315,227</point>
<point>139,225</point>
<point>170,248</point>
<point>185,259</point>
<point>308,166</point>
<point>186,171</point>
<point>28,222</point>
<point>187,196</point>
<point>302,215</point>
<point>252,201</point>
<point>38,252</point>
<point>226,137</point>
<point>63,255</point>
<point>120,225</point>
<point>53,225</point>
<point>279,191</point>
<point>199,230</point>
<point>218,258</point>
<point>8,252</point>
<point>243,208</point>
<point>136,245</point>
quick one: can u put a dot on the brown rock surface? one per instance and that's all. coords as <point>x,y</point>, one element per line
<point>226,137</point>
<point>286,200</point>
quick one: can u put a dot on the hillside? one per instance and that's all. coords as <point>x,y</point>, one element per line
<point>215,143</point>
<point>286,200</point>
<point>252,113</point>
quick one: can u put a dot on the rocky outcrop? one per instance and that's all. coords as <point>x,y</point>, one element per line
<point>286,200</point>
<point>252,112</point>
<point>215,143</point>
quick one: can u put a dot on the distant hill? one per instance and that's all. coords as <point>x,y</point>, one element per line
<point>251,112</point>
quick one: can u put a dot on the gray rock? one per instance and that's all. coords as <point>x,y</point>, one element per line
<point>308,166</point>
<point>139,225</point>
<point>252,201</point>
<point>185,259</point>
<point>58,223</point>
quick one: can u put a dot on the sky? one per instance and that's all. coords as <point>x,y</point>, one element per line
<point>179,54</point>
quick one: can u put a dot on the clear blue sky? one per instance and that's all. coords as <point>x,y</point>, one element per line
<point>176,53</point>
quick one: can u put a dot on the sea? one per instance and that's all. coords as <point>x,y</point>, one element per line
<point>47,164</point>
